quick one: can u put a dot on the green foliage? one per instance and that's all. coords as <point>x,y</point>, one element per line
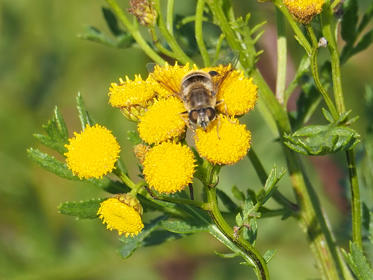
<point>324,139</point>
<point>184,226</point>
<point>84,117</point>
<point>358,263</point>
<point>81,209</point>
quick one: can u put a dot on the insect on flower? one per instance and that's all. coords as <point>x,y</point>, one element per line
<point>198,91</point>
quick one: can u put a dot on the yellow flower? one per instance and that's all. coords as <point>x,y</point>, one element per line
<point>122,213</point>
<point>237,94</point>
<point>168,78</point>
<point>130,93</point>
<point>92,153</point>
<point>304,10</point>
<point>162,121</point>
<point>169,167</point>
<point>224,142</point>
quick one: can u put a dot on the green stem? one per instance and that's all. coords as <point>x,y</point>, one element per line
<point>256,258</point>
<point>170,16</point>
<point>135,33</point>
<point>179,53</point>
<point>281,57</point>
<point>199,32</point>
<point>326,19</point>
<point>159,46</point>
<point>262,174</point>
<point>315,74</point>
<point>355,198</point>
<point>299,36</point>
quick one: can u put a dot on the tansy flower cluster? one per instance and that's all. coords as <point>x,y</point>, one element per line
<point>168,162</point>
<point>304,10</point>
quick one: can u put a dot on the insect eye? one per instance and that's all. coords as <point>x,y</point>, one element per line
<point>210,112</point>
<point>213,73</point>
<point>193,116</point>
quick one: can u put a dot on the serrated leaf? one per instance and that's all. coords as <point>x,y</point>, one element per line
<point>51,164</point>
<point>358,263</point>
<point>268,255</point>
<point>227,201</point>
<point>322,139</point>
<point>84,117</point>
<point>183,227</point>
<point>239,195</point>
<point>131,244</point>
<point>349,20</point>
<point>270,186</point>
<point>112,21</point>
<point>81,209</point>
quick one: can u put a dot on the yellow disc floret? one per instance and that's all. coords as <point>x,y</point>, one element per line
<point>130,92</point>
<point>237,94</point>
<point>92,153</point>
<point>304,10</point>
<point>162,121</point>
<point>168,78</point>
<point>122,213</point>
<point>224,142</point>
<point>169,167</point>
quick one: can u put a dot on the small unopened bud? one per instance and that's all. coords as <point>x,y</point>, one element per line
<point>304,10</point>
<point>140,151</point>
<point>144,11</point>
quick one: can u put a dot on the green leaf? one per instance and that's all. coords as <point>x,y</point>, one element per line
<point>112,21</point>
<point>367,17</point>
<point>268,255</point>
<point>358,263</point>
<point>322,139</point>
<point>133,137</point>
<point>51,164</point>
<point>327,115</point>
<point>160,236</point>
<point>81,209</point>
<point>239,220</point>
<point>270,186</point>
<point>250,231</point>
<point>93,34</point>
<point>364,43</point>
<point>183,227</point>
<point>227,201</point>
<point>57,134</point>
<point>226,256</point>
<point>349,20</point>
<point>131,244</point>
<point>238,194</point>
<point>84,117</point>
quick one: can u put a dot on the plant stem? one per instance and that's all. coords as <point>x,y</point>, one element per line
<point>170,16</point>
<point>135,33</point>
<point>281,57</point>
<point>199,32</point>
<point>315,74</point>
<point>299,36</point>
<point>256,258</point>
<point>326,18</point>
<point>179,53</point>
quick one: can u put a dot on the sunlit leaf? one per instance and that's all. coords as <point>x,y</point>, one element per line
<point>81,209</point>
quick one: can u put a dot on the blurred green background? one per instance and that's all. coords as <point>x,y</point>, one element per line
<point>43,63</point>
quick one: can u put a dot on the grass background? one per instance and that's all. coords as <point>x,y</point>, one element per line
<point>43,63</point>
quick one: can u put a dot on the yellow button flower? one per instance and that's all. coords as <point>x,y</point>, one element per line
<point>92,153</point>
<point>224,142</point>
<point>304,10</point>
<point>162,121</point>
<point>169,167</point>
<point>168,78</point>
<point>129,93</point>
<point>122,213</point>
<point>237,94</point>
